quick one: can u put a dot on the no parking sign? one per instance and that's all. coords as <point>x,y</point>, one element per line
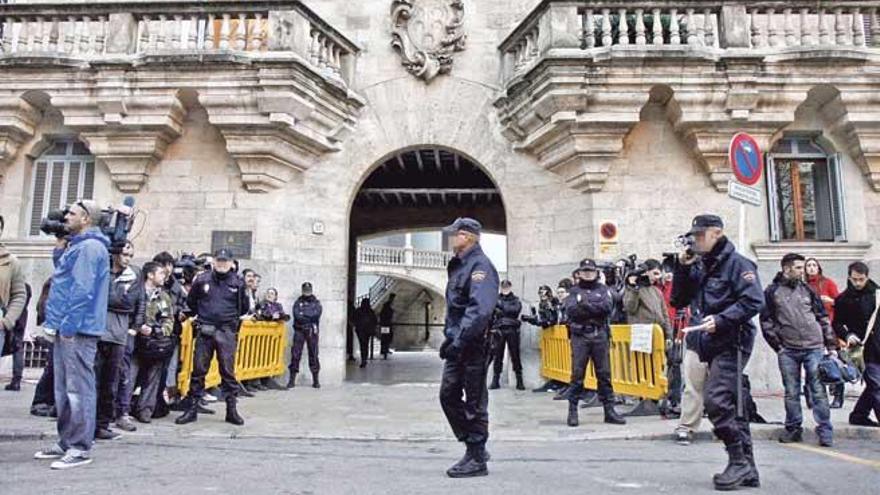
<point>745,159</point>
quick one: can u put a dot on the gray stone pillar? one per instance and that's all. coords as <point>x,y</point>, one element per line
<point>122,33</point>
<point>559,27</point>
<point>735,26</point>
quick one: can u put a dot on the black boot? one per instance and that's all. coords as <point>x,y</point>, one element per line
<point>572,414</point>
<point>611,416</point>
<point>472,464</point>
<point>232,415</point>
<point>837,391</point>
<point>495,383</point>
<point>190,416</point>
<point>754,480</point>
<point>737,472</point>
<point>315,382</point>
<point>14,385</point>
<point>291,382</point>
<point>519,381</point>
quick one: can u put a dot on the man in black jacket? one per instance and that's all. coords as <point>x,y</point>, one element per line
<point>125,309</point>
<point>588,306</point>
<point>724,293</point>
<point>218,300</point>
<point>505,332</point>
<point>852,313</point>
<point>386,326</point>
<point>307,312</point>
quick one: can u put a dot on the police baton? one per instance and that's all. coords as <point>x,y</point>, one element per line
<point>739,374</point>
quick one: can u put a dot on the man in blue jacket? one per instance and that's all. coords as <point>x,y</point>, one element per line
<point>471,296</point>
<point>76,313</point>
<point>724,293</point>
<point>306,327</point>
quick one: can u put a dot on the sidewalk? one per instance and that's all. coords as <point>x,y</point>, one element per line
<point>406,412</point>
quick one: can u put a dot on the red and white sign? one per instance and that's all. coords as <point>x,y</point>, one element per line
<point>746,159</point>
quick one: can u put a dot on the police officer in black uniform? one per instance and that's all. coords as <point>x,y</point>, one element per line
<point>505,332</point>
<point>724,293</point>
<point>219,301</point>
<point>588,307</point>
<point>471,295</point>
<point>306,314</point>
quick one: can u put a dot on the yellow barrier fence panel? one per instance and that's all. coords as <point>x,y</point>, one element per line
<point>260,353</point>
<point>635,374</point>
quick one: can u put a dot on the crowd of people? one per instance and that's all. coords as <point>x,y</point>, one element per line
<point>113,334</point>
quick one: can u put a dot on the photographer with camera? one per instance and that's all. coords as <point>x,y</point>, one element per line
<point>13,295</point>
<point>505,332</point>
<point>724,293</point>
<point>153,342</point>
<point>547,313</point>
<point>219,301</point>
<point>177,286</point>
<point>125,312</point>
<point>643,299</point>
<point>588,307</point>
<point>76,314</point>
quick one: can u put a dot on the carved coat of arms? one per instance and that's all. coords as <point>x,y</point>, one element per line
<point>427,33</point>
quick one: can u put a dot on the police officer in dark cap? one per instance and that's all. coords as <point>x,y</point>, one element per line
<point>588,307</point>
<point>724,293</point>
<point>306,324</point>
<point>505,333</point>
<point>218,300</point>
<point>471,295</point>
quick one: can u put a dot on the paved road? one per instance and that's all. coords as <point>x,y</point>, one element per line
<point>136,465</point>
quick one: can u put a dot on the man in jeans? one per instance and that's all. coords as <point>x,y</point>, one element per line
<point>797,327</point>
<point>76,313</point>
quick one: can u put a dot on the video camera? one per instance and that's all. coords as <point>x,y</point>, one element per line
<point>185,268</point>
<point>684,242</point>
<point>115,223</point>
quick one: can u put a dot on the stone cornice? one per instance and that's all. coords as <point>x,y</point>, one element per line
<point>18,120</point>
<point>825,251</point>
<point>36,248</point>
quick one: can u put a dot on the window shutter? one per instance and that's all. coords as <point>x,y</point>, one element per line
<point>73,182</point>
<point>88,187</point>
<point>772,201</point>
<point>39,197</point>
<point>838,200</point>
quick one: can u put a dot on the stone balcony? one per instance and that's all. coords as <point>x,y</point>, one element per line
<point>273,77</point>
<point>576,76</point>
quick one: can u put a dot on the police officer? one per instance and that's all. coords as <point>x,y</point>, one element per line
<point>471,295</point>
<point>306,319</point>
<point>505,332</point>
<point>588,307</point>
<point>218,300</point>
<point>724,293</point>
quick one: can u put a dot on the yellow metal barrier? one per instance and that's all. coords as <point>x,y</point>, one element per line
<point>636,374</point>
<point>260,353</point>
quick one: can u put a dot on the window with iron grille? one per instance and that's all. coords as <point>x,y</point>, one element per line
<point>805,192</point>
<point>62,174</point>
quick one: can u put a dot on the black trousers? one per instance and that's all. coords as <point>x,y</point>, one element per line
<point>309,340</point>
<point>223,343</point>
<point>45,391</point>
<point>108,365</point>
<point>506,337</point>
<point>464,396</point>
<point>719,399</point>
<point>364,344</point>
<point>149,378</point>
<point>586,347</point>
<point>385,341</point>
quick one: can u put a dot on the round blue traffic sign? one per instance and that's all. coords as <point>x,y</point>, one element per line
<point>746,159</point>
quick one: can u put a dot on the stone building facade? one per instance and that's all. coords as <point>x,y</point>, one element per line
<point>268,116</point>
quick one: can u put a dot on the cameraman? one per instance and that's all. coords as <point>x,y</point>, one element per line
<point>218,300</point>
<point>177,288</point>
<point>76,313</point>
<point>643,300</point>
<point>724,293</point>
<point>588,307</point>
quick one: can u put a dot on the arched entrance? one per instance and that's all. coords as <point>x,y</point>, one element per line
<point>395,247</point>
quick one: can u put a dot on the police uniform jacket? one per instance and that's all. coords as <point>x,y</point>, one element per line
<point>217,299</point>
<point>471,295</point>
<point>723,284</point>
<point>507,312</point>
<point>307,314</point>
<point>588,307</point>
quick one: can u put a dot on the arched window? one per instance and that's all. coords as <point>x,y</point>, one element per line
<point>63,174</point>
<point>805,192</point>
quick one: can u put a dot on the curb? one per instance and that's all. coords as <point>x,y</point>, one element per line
<point>764,433</point>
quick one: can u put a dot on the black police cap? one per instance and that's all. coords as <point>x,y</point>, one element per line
<point>588,265</point>
<point>464,223</point>
<point>307,287</point>
<point>223,254</point>
<point>701,223</point>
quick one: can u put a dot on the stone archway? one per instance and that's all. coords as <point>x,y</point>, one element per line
<point>417,189</point>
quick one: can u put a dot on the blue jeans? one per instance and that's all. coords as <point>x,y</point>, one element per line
<point>791,361</point>
<point>75,393</point>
